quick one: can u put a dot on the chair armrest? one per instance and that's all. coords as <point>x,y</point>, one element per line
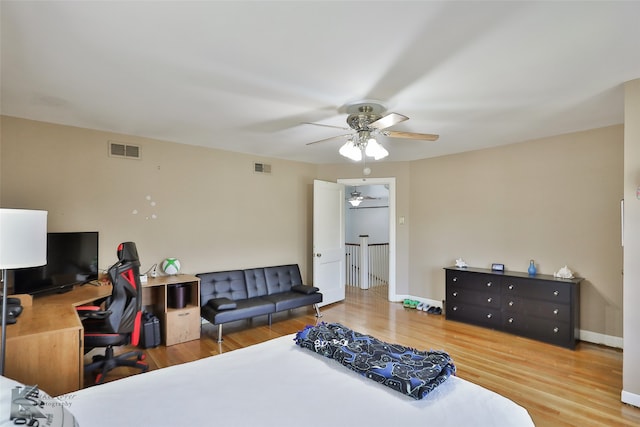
<point>221,304</point>
<point>92,312</point>
<point>305,289</point>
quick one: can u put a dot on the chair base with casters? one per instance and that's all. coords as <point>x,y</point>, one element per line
<point>103,363</point>
<point>96,336</point>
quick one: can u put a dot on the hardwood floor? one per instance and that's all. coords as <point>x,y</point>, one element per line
<point>558,387</point>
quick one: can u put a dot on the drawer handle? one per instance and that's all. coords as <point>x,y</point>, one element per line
<point>556,293</point>
<point>556,311</point>
<point>511,320</point>
<point>488,284</point>
<point>511,287</point>
<point>555,330</point>
<point>455,279</point>
<point>510,303</point>
<point>489,316</point>
<point>455,294</point>
<point>184,314</point>
<point>455,308</point>
<point>489,299</point>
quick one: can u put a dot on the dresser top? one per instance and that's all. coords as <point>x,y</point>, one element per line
<point>515,274</point>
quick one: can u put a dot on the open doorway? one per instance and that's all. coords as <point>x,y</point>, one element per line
<point>381,202</point>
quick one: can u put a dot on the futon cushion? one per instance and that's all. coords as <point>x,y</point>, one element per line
<point>221,304</point>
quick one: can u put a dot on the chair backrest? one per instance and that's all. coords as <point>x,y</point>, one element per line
<point>125,302</point>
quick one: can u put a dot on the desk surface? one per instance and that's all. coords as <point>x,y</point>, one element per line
<point>56,312</point>
<point>79,295</point>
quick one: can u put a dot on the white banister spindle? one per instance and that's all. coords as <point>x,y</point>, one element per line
<point>352,264</point>
<point>364,261</point>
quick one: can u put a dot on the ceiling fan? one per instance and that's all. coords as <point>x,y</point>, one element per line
<point>367,120</point>
<point>357,198</point>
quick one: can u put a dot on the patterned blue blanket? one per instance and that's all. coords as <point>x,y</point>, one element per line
<point>404,369</point>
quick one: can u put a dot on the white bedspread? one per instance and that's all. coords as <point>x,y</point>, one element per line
<point>277,383</point>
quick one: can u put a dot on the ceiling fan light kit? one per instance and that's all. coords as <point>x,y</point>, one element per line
<point>371,148</point>
<point>375,150</point>
<point>367,120</point>
<point>355,202</point>
<point>355,199</point>
<point>351,151</point>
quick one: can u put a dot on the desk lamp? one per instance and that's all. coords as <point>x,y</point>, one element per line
<point>23,243</point>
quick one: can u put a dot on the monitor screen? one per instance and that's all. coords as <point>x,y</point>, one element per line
<point>72,258</point>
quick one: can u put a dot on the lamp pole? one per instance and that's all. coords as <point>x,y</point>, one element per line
<point>4,320</point>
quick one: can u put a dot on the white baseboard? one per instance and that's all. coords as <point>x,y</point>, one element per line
<point>597,338</point>
<point>630,398</point>
<point>431,302</point>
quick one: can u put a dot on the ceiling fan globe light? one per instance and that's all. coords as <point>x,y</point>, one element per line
<point>372,147</point>
<point>355,153</point>
<point>344,150</point>
<point>381,153</point>
<point>350,151</point>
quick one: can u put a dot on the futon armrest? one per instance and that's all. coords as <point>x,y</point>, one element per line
<point>221,304</point>
<point>305,289</point>
<point>92,312</point>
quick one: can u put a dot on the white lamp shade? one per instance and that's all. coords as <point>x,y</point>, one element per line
<point>23,238</point>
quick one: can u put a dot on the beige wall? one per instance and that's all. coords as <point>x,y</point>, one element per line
<point>631,367</point>
<point>554,200</point>
<point>213,212</point>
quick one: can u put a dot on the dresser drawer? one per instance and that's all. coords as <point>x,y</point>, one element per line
<point>543,309</point>
<point>480,297</point>
<point>473,314</point>
<point>558,292</point>
<point>484,282</point>
<point>549,330</point>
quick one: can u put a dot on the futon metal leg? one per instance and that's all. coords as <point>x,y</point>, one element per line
<point>220,332</point>
<point>269,316</point>
<point>317,310</point>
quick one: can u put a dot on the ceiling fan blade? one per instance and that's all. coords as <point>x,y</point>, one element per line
<point>388,121</point>
<point>327,126</point>
<point>411,135</point>
<point>328,139</point>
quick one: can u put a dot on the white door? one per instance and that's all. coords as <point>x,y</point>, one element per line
<point>328,240</point>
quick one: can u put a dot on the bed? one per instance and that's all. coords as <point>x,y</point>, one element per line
<point>276,383</point>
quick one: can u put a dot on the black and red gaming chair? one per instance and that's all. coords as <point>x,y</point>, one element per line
<point>117,320</point>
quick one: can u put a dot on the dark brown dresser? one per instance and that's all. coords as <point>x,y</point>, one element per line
<point>541,307</point>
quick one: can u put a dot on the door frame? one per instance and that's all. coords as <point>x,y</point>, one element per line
<point>391,183</point>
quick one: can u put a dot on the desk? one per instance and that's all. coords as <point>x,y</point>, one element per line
<point>45,346</point>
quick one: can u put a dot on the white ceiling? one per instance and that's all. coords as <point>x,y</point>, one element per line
<point>243,75</point>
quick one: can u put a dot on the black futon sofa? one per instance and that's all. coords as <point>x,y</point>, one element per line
<point>227,296</point>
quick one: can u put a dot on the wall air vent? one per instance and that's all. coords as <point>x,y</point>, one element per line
<point>261,168</point>
<point>120,149</point>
